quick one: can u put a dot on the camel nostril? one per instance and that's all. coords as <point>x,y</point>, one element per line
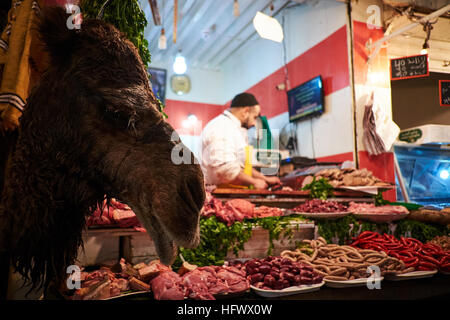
<point>195,192</point>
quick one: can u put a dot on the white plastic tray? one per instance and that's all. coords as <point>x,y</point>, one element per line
<point>321,215</point>
<point>367,189</point>
<point>380,217</point>
<point>411,275</point>
<point>287,291</point>
<point>350,283</point>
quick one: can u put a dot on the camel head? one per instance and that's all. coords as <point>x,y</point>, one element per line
<point>91,127</point>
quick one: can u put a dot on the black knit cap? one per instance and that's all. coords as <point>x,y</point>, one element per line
<point>244,100</point>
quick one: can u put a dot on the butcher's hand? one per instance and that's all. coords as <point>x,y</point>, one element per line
<point>272,180</point>
<point>260,184</point>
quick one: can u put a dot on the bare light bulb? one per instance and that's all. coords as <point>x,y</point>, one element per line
<point>162,42</point>
<point>179,65</point>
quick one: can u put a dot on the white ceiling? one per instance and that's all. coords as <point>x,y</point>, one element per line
<point>411,42</point>
<point>207,31</point>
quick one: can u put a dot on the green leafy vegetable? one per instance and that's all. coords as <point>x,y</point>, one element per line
<point>319,189</point>
<point>217,239</point>
<point>379,200</point>
<point>342,229</point>
<point>127,16</point>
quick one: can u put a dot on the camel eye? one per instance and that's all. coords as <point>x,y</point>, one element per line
<point>118,118</point>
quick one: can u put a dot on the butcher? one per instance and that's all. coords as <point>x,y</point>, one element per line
<point>224,140</point>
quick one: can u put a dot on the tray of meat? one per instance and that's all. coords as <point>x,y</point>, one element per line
<point>276,277</point>
<point>116,281</point>
<point>380,214</point>
<point>321,209</point>
<point>323,215</point>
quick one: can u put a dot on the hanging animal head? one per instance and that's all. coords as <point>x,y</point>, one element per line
<point>91,127</point>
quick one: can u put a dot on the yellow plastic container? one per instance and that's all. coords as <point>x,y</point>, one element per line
<point>248,160</point>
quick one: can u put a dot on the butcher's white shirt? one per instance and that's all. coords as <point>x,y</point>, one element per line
<point>223,149</point>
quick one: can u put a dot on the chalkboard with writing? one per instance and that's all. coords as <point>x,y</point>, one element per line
<point>444,93</point>
<point>409,67</point>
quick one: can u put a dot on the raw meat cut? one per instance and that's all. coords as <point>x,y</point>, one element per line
<point>138,285</point>
<point>371,208</point>
<point>101,290</point>
<point>244,207</point>
<point>117,214</point>
<point>318,205</point>
<point>236,210</point>
<point>151,271</point>
<point>234,278</point>
<point>168,286</point>
<point>263,212</point>
<point>196,283</point>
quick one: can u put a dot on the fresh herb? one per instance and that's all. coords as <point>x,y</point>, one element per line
<point>319,189</point>
<point>420,230</point>
<point>161,109</point>
<point>216,239</point>
<point>341,228</point>
<point>279,226</point>
<point>275,227</point>
<point>379,200</point>
<point>127,16</point>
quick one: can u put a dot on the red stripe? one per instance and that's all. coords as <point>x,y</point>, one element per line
<point>382,167</point>
<point>328,58</point>
<point>380,63</point>
<point>348,156</point>
<point>178,111</point>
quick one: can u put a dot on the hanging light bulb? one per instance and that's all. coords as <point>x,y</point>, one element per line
<point>427,28</point>
<point>162,42</point>
<point>425,48</point>
<point>179,65</point>
<point>236,12</point>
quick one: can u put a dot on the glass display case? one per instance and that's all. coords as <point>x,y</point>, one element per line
<point>425,170</point>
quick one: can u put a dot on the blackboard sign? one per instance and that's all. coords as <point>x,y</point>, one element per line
<point>444,93</point>
<point>409,67</point>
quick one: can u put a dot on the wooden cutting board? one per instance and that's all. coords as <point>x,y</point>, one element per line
<point>287,194</point>
<point>257,192</point>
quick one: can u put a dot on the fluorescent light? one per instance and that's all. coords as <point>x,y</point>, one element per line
<point>179,65</point>
<point>268,27</point>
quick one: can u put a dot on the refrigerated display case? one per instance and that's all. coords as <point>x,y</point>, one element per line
<point>425,170</point>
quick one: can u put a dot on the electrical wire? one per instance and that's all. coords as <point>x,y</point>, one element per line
<point>312,138</point>
<point>286,74</point>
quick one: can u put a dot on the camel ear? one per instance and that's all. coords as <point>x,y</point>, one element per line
<point>57,33</point>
